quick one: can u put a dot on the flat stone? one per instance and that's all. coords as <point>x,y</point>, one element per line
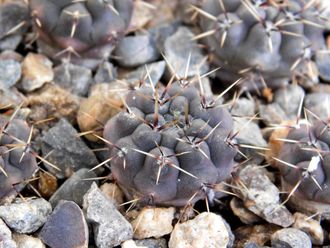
<point>152,243</point>
<point>262,197</point>
<point>323,65</point>
<point>243,107</point>
<point>65,227</point>
<point>245,215</point>
<point>178,47</point>
<point>113,192</point>
<point>10,73</point>
<point>207,230</point>
<point>105,73</point>
<point>137,50</point>
<point>26,216</point>
<point>319,104</point>
<point>77,79</point>
<point>37,70</point>
<point>66,150</point>
<point>11,97</point>
<point>153,222</point>
<point>290,238</point>
<point>110,227</point>
<point>26,241</point>
<point>131,244</point>
<point>6,240</point>
<point>74,188</point>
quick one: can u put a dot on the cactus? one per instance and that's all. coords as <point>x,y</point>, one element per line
<point>17,163</point>
<point>171,146</point>
<point>267,42</point>
<point>83,31</point>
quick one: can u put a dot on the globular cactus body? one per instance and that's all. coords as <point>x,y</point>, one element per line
<point>265,42</point>
<point>171,146</point>
<point>16,161</point>
<point>84,31</point>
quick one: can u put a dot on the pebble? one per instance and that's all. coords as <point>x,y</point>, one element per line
<point>290,238</point>
<point>26,216</point>
<point>131,244</point>
<point>77,79</point>
<point>133,51</point>
<point>153,222</point>
<point>110,227</point>
<point>105,73</point>
<point>262,197</point>
<point>319,104</point>
<point>6,240</point>
<point>36,70</point>
<point>323,64</point>
<point>207,230</point>
<point>65,149</point>
<point>65,227</point>
<point>11,97</point>
<point>74,188</point>
<point>310,226</point>
<point>243,107</point>
<point>152,243</point>
<point>11,55</point>
<point>10,73</point>
<point>47,184</point>
<point>245,215</point>
<point>53,102</point>
<point>26,241</point>
<point>177,49</point>
<point>161,32</point>
<point>113,192</point>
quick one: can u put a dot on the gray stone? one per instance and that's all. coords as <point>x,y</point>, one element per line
<point>319,104</point>
<point>249,134</point>
<point>156,71</point>
<point>152,243</point>
<point>323,65</point>
<point>10,42</point>
<point>290,238</point>
<point>77,79</point>
<point>110,227</point>
<point>65,227</point>
<point>262,197</point>
<point>26,241</point>
<point>161,32</point>
<point>6,240</point>
<point>66,150</point>
<point>10,73</point>
<point>137,50</point>
<point>243,107</point>
<point>272,113</point>
<point>177,50</point>
<point>105,73</point>
<point>11,97</point>
<point>26,216</point>
<point>74,188</point>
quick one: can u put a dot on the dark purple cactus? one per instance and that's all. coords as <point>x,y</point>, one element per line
<point>16,161</point>
<point>171,146</point>
<point>84,31</point>
<point>265,42</point>
<point>304,161</point>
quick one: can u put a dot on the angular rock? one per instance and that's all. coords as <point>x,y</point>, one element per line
<point>245,215</point>
<point>152,243</point>
<point>177,49</point>
<point>74,188</point>
<point>137,50</point>
<point>37,70</point>
<point>243,107</point>
<point>323,64</point>
<point>204,231</point>
<point>319,104</point>
<point>262,197</point>
<point>65,227</point>
<point>105,73</point>
<point>113,192</point>
<point>110,227</point>
<point>77,79</point>
<point>153,222</point>
<point>290,238</point>
<point>26,241</point>
<point>6,240</point>
<point>66,150</point>
<point>10,73</point>
<point>161,32</point>
<point>130,244</point>
<point>11,97</point>
<point>310,226</point>
<point>26,216</point>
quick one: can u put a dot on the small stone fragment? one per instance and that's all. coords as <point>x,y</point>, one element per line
<point>153,222</point>
<point>245,215</point>
<point>323,64</point>
<point>26,216</point>
<point>262,197</point>
<point>10,73</point>
<point>47,184</point>
<point>26,241</point>
<point>152,243</point>
<point>137,50</point>
<point>6,240</point>
<point>110,227</point>
<point>309,226</point>
<point>105,73</point>
<point>65,227</point>
<point>290,238</point>
<point>11,97</point>
<point>113,192</point>
<point>207,230</point>
<point>37,70</point>
<point>74,188</point>
<point>178,47</point>
<point>131,244</point>
<point>243,107</point>
<point>77,79</point>
<point>65,149</point>
<point>318,104</point>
